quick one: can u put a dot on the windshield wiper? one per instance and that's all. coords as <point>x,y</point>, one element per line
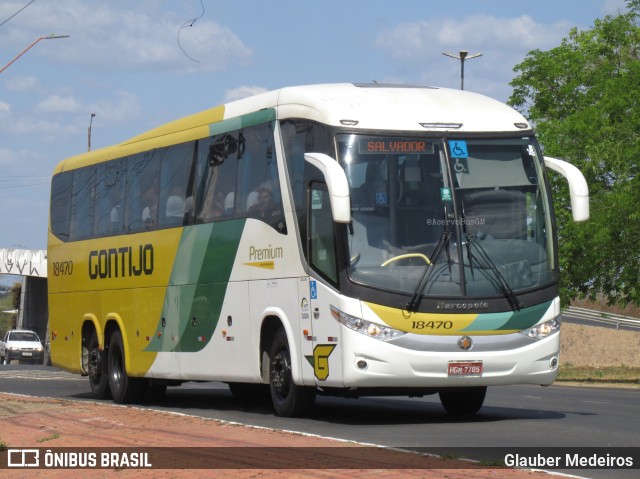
<point>428,272</point>
<point>499,282</point>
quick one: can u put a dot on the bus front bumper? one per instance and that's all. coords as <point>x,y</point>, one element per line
<point>373,363</point>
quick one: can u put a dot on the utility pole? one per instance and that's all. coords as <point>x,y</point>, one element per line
<point>47,37</point>
<point>462,56</point>
<point>89,132</point>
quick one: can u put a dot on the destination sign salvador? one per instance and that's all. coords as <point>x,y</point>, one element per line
<point>394,145</point>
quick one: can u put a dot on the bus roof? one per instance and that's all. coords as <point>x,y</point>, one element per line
<point>401,107</point>
<point>360,106</point>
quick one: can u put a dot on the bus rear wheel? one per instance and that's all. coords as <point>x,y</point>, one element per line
<point>124,389</point>
<point>289,399</point>
<point>97,369</point>
<point>463,401</point>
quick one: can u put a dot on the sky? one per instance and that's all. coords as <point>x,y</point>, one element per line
<point>139,64</point>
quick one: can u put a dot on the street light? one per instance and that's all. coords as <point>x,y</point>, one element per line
<point>464,55</point>
<point>47,37</point>
<point>89,132</point>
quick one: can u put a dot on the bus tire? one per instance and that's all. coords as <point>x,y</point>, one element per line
<point>97,369</point>
<point>124,389</point>
<point>463,401</point>
<point>289,399</point>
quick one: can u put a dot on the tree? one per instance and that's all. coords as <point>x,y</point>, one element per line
<point>16,291</point>
<point>584,99</point>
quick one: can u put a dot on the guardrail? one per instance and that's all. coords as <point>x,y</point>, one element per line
<point>602,317</point>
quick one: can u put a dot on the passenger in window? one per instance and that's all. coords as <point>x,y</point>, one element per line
<point>229,202</point>
<point>373,190</point>
<point>175,204</point>
<point>213,207</point>
<point>150,210</point>
<point>264,205</point>
<point>115,217</point>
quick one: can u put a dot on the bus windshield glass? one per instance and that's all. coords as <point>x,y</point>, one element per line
<point>463,217</point>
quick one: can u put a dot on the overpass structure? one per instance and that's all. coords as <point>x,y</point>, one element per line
<point>32,266</point>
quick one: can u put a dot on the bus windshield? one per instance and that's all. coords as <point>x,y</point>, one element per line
<point>447,218</point>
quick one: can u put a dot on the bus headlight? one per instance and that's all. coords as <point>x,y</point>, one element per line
<point>543,330</point>
<point>367,328</point>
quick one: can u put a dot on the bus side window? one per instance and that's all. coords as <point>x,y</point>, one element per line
<point>258,182</point>
<point>60,208</point>
<point>143,183</point>
<point>176,201</point>
<point>82,203</point>
<point>322,245</point>
<point>216,180</point>
<point>109,215</point>
<point>300,136</point>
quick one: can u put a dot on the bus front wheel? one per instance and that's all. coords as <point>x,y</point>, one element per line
<point>124,389</point>
<point>97,369</point>
<point>463,401</point>
<point>289,399</point>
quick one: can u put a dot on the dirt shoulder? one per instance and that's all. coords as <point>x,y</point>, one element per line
<point>29,422</point>
<point>594,346</point>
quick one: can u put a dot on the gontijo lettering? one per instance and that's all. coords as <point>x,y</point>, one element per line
<point>121,262</point>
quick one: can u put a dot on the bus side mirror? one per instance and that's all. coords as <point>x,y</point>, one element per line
<point>578,188</point>
<point>337,185</point>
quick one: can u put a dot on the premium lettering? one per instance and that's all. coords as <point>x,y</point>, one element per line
<point>122,262</point>
<point>262,254</point>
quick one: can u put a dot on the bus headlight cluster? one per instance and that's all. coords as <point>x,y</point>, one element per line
<point>543,330</point>
<point>367,328</point>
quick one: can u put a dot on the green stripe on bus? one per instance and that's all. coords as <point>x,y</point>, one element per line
<point>244,121</point>
<point>509,321</point>
<point>488,322</point>
<point>197,287</point>
<point>527,317</point>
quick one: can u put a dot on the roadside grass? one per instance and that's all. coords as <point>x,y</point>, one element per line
<point>6,319</point>
<point>597,355</point>
<point>48,438</point>
<point>607,374</point>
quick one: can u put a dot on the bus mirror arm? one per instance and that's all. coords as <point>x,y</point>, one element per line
<point>578,188</point>
<point>337,185</point>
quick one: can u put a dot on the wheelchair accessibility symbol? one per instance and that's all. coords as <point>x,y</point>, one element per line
<point>458,149</point>
<point>381,199</point>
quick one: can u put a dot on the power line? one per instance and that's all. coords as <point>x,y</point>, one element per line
<point>17,12</point>
<point>189,23</point>
<point>7,182</point>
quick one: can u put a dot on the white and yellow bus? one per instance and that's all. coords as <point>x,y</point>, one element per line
<point>341,239</point>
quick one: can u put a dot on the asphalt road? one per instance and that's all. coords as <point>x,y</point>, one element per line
<point>513,416</point>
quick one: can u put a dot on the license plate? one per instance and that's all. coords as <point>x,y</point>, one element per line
<point>28,354</point>
<point>465,368</point>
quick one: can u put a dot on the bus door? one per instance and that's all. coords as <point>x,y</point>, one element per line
<point>306,330</point>
<point>325,356</point>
